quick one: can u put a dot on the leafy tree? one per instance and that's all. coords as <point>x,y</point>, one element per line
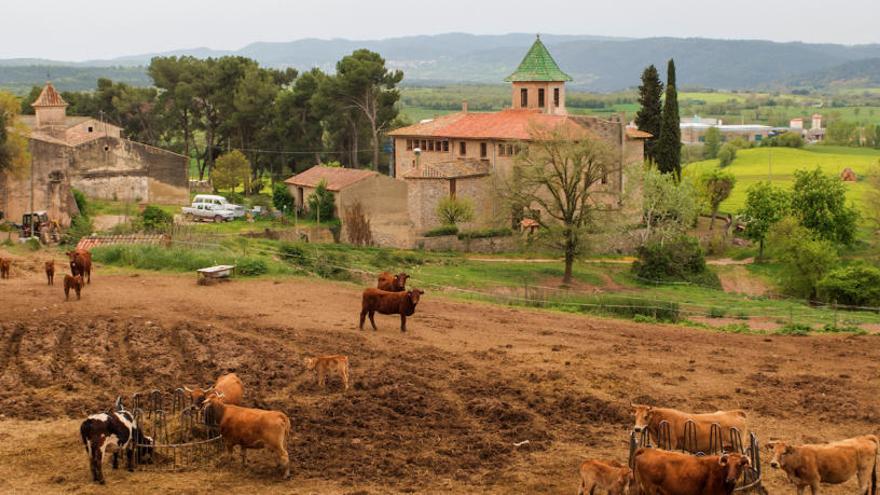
<point>559,173</point>
<point>669,207</point>
<point>649,115</point>
<point>818,201</point>
<point>717,185</point>
<point>805,259</point>
<point>872,195</point>
<point>842,132</point>
<point>712,143</point>
<point>765,205</point>
<point>281,197</point>
<point>177,103</point>
<point>155,218</point>
<point>668,147</point>
<point>854,285</point>
<point>296,125</point>
<point>14,153</point>
<point>230,170</point>
<point>727,154</point>
<point>321,203</point>
<point>679,259</point>
<point>452,211</point>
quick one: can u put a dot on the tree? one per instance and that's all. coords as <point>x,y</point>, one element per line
<point>717,185</point>
<point>854,285</point>
<point>559,173</point>
<point>668,148</point>
<point>669,207</point>
<point>649,115</point>
<point>765,205</point>
<point>727,154</point>
<point>818,201</point>
<point>321,203</point>
<point>872,195</point>
<point>805,259</point>
<point>366,85</point>
<point>712,143</point>
<point>230,170</point>
<point>452,211</point>
<point>14,153</point>
<point>281,197</point>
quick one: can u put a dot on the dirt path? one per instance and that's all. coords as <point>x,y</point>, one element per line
<point>436,410</point>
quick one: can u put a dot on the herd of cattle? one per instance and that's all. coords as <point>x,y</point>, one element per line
<point>654,471</point>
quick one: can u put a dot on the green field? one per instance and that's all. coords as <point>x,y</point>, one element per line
<point>778,165</point>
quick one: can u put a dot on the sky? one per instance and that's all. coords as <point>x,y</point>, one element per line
<point>98,29</point>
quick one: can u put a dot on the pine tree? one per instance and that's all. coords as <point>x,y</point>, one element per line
<point>668,148</point>
<point>649,116</point>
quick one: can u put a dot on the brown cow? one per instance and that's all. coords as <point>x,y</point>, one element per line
<point>650,417</point>
<point>322,365</point>
<point>81,263</point>
<point>392,283</point>
<point>5,264</point>
<point>832,463</point>
<point>659,472</point>
<point>611,477</point>
<point>229,385</point>
<point>50,271</point>
<point>389,303</point>
<point>251,429</point>
<point>75,283</point>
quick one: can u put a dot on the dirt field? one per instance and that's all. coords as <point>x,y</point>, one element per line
<point>436,410</point>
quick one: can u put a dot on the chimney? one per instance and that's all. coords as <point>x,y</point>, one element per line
<point>464,106</point>
<point>817,121</point>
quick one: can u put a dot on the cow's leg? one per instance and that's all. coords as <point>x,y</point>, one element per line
<point>89,275</point>
<point>372,321</point>
<point>322,378</point>
<point>345,377</point>
<point>66,293</point>
<point>243,455</point>
<point>284,460</point>
<point>402,323</point>
<point>77,293</point>
<point>363,317</point>
<point>129,453</point>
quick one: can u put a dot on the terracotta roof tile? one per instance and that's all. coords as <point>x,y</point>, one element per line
<point>337,178</point>
<point>637,133</point>
<point>49,97</point>
<point>513,124</point>
<point>452,169</point>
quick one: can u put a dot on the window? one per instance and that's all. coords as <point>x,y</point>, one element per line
<point>500,150</point>
<point>91,129</point>
<point>604,176</point>
<point>451,188</point>
<point>430,145</point>
<point>445,145</point>
<point>701,139</point>
<point>524,97</point>
<point>484,150</point>
<point>555,97</point>
<point>424,145</point>
<point>409,143</point>
<point>510,150</point>
<point>462,148</point>
<point>541,97</point>
<point>758,137</point>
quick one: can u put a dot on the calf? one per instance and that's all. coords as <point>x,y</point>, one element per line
<point>5,263</point>
<point>832,463</point>
<point>389,303</point>
<point>322,365</point>
<point>611,477</point>
<point>50,271</point>
<point>75,283</point>
<point>81,263</point>
<point>113,431</point>
<point>649,418</point>
<point>392,283</point>
<point>659,472</point>
<point>251,429</point>
<point>229,385</point>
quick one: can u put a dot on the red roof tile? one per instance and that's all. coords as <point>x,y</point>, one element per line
<point>513,124</point>
<point>49,98</point>
<point>337,178</point>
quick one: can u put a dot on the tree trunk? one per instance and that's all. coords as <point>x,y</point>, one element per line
<point>712,221</point>
<point>375,149</point>
<point>761,250</point>
<point>569,261</point>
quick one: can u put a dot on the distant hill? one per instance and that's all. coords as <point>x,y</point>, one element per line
<point>596,63</point>
<point>858,73</point>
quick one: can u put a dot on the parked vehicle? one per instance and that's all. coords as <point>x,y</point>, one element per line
<point>207,211</point>
<point>219,202</point>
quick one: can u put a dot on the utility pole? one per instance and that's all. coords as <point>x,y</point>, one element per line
<point>32,195</point>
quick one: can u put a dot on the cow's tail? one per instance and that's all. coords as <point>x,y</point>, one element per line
<point>84,429</point>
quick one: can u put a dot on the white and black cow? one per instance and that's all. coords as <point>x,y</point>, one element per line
<point>113,431</point>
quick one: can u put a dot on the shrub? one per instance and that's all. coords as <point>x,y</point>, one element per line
<point>736,328</point>
<point>281,198</point>
<point>33,244</point>
<point>156,219</point>
<point>854,285</point>
<point>677,260</point>
<point>251,267</point>
<point>485,233</point>
<point>717,312</point>
<point>805,260</point>
<point>441,231</point>
<point>357,225</point>
<point>82,203</point>
<point>80,226</point>
<point>829,328</point>
<point>787,140</point>
<point>321,203</point>
<point>453,211</point>
<point>294,254</point>
<point>727,154</point>
<point>794,329</point>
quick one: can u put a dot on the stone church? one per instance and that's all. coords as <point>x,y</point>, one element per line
<point>89,155</point>
<point>463,154</point>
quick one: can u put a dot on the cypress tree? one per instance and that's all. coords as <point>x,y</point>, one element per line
<point>668,147</point>
<point>649,115</point>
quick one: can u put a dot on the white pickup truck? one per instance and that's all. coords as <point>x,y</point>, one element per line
<point>209,206</point>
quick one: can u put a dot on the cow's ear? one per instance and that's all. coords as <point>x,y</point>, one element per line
<point>789,450</point>
<point>723,460</point>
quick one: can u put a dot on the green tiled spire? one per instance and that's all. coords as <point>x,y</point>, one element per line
<point>538,65</point>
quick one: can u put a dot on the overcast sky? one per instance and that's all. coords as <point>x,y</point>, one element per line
<point>91,29</point>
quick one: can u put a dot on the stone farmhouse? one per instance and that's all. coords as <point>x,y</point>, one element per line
<point>89,155</point>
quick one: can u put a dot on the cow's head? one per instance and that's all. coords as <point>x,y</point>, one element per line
<point>734,465</point>
<point>400,280</point>
<point>310,363</point>
<point>643,416</point>
<point>197,394</point>
<point>625,484</point>
<point>145,447</point>
<point>779,451</point>
<point>414,295</point>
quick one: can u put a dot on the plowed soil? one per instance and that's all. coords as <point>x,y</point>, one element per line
<point>436,410</point>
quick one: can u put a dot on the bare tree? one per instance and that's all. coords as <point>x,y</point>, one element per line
<point>561,173</point>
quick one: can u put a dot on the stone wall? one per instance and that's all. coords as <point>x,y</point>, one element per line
<point>486,245</point>
<point>51,185</point>
<point>384,202</point>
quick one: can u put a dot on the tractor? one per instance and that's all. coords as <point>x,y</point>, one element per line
<point>37,224</point>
